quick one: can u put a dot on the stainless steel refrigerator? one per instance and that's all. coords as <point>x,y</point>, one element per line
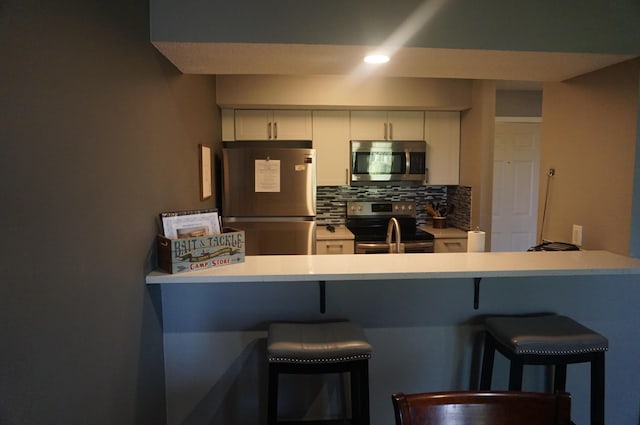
<point>270,193</point>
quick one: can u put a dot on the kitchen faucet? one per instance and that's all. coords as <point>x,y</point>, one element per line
<point>393,226</point>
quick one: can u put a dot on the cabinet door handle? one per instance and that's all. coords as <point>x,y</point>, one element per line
<point>346,175</point>
<point>454,246</point>
<point>275,130</point>
<point>390,131</point>
<point>385,132</point>
<point>269,131</point>
<point>334,248</point>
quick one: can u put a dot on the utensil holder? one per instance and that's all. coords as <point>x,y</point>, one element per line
<point>439,222</point>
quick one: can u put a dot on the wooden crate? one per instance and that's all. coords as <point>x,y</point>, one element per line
<point>203,252</point>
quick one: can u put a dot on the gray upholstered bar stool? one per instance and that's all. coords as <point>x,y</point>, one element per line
<point>547,339</point>
<point>320,348</point>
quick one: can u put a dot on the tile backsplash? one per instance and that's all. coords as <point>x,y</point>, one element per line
<point>459,199</point>
<point>332,201</point>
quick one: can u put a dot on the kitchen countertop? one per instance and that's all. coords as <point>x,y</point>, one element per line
<point>314,268</point>
<point>446,233</point>
<point>341,233</point>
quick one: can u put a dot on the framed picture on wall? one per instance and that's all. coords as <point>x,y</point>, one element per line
<point>205,172</point>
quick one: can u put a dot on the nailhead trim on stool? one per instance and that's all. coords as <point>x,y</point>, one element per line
<point>546,339</point>
<point>318,348</point>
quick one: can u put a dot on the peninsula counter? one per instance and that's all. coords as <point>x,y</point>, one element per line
<point>305,268</point>
<point>417,313</point>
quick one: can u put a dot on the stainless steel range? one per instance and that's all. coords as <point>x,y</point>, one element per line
<point>376,224</point>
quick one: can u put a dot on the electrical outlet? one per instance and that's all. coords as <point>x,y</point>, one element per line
<point>576,235</point>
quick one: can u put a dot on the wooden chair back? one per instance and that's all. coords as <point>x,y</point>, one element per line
<point>482,408</point>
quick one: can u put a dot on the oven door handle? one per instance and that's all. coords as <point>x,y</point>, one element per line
<point>407,162</point>
<point>363,247</point>
<point>418,244</point>
<point>373,245</point>
<point>371,248</point>
<point>409,246</point>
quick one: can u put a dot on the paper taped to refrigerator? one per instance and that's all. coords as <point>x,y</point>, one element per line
<point>267,175</point>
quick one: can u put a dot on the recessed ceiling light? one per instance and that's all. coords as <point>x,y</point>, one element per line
<point>377,58</point>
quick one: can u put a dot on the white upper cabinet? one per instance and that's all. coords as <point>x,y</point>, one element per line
<point>331,141</point>
<point>228,125</point>
<point>331,131</point>
<point>387,125</point>
<point>265,124</point>
<point>406,125</point>
<point>442,133</point>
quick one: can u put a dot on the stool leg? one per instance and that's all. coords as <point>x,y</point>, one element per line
<point>487,362</point>
<point>515,374</point>
<point>272,395</point>
<point>360,393</point>
<point>356,395</point>
<point>597,389</point>
<point>364,379</point>
<point>560,377</point>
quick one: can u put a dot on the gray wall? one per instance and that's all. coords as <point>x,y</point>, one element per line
<point>634,244</point>
<point>518,103</point>
<point>98,135</point>
<point>424,333</point>
<point>598,26</point>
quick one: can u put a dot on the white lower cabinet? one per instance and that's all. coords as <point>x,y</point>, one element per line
<point>450,245</point>
<point>337,246</point>
<point>340,241</point>
<point>448,239</point>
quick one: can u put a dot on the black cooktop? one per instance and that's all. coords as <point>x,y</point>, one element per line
<point>368,221</point>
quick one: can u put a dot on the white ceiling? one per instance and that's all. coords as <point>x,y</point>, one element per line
<point>516,69</point>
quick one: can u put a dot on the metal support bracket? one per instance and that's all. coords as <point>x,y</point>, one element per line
<point>323,296</point>
<point>476,292</point>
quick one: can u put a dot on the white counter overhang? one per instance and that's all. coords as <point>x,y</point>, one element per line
<point>314,268</point>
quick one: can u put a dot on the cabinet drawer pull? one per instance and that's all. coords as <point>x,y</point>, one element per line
<point>269,131</point>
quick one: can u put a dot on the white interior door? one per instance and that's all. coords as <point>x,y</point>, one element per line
<point>516,165</point>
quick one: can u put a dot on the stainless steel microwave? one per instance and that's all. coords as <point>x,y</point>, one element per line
<point>391,162</point>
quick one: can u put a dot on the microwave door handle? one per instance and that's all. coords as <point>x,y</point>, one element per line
<point>407,162</point>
